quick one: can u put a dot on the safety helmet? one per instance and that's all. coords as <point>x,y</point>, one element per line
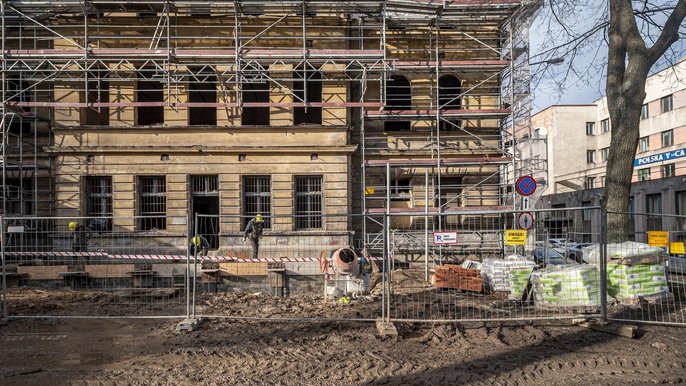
<point>196,240</point>
<point>72,226</point>
<point>258,218</point>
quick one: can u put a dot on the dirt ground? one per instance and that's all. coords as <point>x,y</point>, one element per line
<point>91,351</point>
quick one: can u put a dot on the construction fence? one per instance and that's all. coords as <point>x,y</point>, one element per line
<point>402,267</point>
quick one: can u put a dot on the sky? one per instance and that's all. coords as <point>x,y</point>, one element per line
<point>581,78</point>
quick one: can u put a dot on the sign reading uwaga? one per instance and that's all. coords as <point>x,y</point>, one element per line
<point>445,237</point>
<point>515,237</point>
<point>667,156</point>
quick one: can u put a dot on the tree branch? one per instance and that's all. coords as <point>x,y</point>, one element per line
<point>670,33</point>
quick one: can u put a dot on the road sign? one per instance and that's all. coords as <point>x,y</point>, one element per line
<point>526,185</point>
<point>515,237</point>
<point>526,203</point>
<point>445,237</point>
<point>525,220</point>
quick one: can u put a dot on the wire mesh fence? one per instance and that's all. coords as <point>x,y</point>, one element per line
<point>456,266</point>
<point>309,266</point>
<point>473,269</point>
<point>93,267</point>
<point>647,274</point>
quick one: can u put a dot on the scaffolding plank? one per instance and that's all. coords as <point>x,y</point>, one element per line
<point>444,162</point>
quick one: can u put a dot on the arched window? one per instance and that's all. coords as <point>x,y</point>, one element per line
<point>202,88</point>
<point>398,97</point>
<point>449,90</point>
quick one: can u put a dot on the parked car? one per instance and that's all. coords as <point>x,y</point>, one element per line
<point>550,256</point>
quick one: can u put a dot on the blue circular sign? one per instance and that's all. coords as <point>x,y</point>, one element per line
<point>526,185</point>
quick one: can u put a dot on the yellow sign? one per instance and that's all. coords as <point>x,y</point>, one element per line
<point>658,238</point>
<point>369,190</point>
<point>515,237</point>
<point>676,248</point>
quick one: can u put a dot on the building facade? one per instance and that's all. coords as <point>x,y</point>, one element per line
<point>302,111</point>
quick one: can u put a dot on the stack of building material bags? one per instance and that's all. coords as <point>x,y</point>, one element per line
<point>567,286</point>
<point>519,279</point>
<point>629,283</point>
<point>496,272</point>
<point>634,271</point>
<point>454,276</point>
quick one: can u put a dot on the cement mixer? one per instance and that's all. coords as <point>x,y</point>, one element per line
<point>347,273</point>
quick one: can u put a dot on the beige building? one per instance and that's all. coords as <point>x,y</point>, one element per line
<point>302,111</point>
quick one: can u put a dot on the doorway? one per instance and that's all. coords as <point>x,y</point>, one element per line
<point>204,193</point>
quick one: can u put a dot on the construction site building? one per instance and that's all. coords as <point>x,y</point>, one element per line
<point>148,112</point>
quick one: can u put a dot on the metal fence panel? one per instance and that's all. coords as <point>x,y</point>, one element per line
<point>471,274</point>
<point>94,267</point>
<point>647,273</point>
<point>292,263</point>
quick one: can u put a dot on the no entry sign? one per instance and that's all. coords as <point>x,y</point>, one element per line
<point>526,185</point>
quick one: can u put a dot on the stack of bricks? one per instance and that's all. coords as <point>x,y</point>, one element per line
<point>454,276</point>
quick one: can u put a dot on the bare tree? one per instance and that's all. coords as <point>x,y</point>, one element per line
<point>629,62</point>
<point>630,27</point>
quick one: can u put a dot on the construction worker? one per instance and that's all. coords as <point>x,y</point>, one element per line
<point>254,231</point>
<point>198,245</point>
<point>81,236</point>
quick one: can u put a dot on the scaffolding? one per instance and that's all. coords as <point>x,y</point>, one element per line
<point>431,89</point>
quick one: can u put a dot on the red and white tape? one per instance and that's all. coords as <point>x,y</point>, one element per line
<point>172,257</point>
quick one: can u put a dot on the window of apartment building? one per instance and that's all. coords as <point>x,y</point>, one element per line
<point>98,91</point>
<point>644,111</point>
<point>654,205</point>
<point>308,202</point>
<point>643,174</point>
<point>99,197</point>
<point>449,91</point>
<point>590,128</point>
<point>202,88</point>
<point>19,195</point>
<point>307,87</point>
<point>666,103</point>
<point>667,138</point>
<point>604,154</point>
<point>398,97</point>
<point>605,125</point>
<point>257,198</point>
<point>643,144</point>
<point>602,182</point>
<point>152,202</point>
<point>255,93</point>
<point>680,202</point>
<point>589,183</point>
<point>586,221</point>
<point>149,90</point>
<point>590,156</point>
<point>667,171</point>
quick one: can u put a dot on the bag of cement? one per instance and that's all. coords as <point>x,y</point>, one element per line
<point>628,252</point>
<point>631,282</point>
<point>518,280</point>
<point>570,286</point>
<point>496,272</point>
<point>470,264</point>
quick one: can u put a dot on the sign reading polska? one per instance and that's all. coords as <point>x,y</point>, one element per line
<point>445,237</point>
<point>666,156</point>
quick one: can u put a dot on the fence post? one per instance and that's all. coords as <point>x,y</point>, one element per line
<point>195,267</point>
<point>4,268</point>
<point>603,265</point>
<point>385,294</point>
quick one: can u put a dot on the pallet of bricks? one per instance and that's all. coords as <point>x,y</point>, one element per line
<point>636,274</point>
<point>457,277</point>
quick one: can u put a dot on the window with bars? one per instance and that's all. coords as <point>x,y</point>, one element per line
<point>308,202</point>
<point>99,197</point>
<point>205,185</point>
<point>257,198</point>
<point>152,192</point>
